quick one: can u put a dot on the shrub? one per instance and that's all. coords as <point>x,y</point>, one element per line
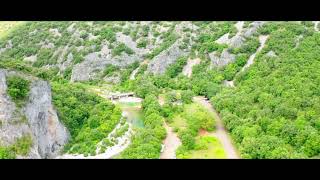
<point>18,88</point>
<point>121,48</point>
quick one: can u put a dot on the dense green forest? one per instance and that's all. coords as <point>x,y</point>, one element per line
<point>271,110</point>
<point>88,117</point>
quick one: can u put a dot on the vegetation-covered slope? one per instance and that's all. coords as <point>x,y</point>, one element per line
<point>273,112</point>
<point>270,107</point>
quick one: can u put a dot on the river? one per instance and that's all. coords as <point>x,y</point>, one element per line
<point>131,109</point>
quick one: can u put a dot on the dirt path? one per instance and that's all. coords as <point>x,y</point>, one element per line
<point>171,143</point>
<point>187,70</point>
<point>221,133</point>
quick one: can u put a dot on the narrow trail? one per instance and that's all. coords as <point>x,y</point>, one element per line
<point>221,133</point>
<point>171,143</point>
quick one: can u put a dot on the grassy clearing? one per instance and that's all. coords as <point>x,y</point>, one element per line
<point>207,147</point>
<point>178,123</point>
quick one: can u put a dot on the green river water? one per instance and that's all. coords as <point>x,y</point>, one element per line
<point>134,113</point>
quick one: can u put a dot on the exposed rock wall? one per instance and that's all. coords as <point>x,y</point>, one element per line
<point>38,119</point>
<point>49,134</point>
<point>159,64</point>
<point>222,60</point>
<point>10,130</point>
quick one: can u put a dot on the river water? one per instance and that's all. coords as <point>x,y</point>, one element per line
<point>131,108</point>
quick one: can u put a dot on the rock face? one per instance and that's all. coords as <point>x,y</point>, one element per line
<point>224,59</point>
<point>159,64</point>
<point>127,40</point>
<point>242,34</point>
<point>235,42</point>
<point>10,130</point>
<point>253,28</point>
<point>223,39</point>
<point>41,120</point>
<point>92,64</point>
<point>49,134</point>
<point>95,62</point>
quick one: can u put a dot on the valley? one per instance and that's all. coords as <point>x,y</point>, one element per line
<point>159,90</point>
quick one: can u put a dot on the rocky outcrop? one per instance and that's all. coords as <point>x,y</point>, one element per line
<point>55,32</point>
<point>32,58</point>
<point>242,34</point>
<point>10,128</point>
<point>271,54</point>
<point>225,58</point>
<point>223,39</point>
<point>236,41</point>
<point>48,133</point>
<point>114,79</point>
<point>37,119</point>
<point>159,64</point>
<point>127,40</point>
<point>96,62</point>
<point>66,63</point>
<point>253,28</point>
<point>239,39</point>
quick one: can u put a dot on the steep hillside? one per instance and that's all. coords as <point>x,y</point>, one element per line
<point>29,122</point>
<point>262,80</point>
<point>273,112</point>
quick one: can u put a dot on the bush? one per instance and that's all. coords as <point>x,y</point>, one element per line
<point>109,69</point>
<point>6,153</point>
<point>169,40</point>
<point>187,139</point>
<point>20,147</point>
<point>142,43</point>
<point>121,48</point>
<point>44,57</point>
<point>174,69</point>
<point>18,88</point>
<point>108,34</point>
